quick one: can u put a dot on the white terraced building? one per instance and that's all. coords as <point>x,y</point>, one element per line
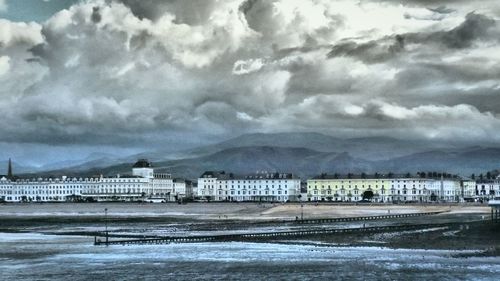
<point>142,185</point>
<point>468,189</point>
<point>270,187</point>
<point>487,189</point>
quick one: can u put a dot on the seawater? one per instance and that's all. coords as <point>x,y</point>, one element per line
<point>31,256</point>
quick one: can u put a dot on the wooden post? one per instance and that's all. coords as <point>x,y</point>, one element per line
<point>106,224</point>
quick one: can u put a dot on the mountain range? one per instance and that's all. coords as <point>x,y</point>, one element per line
<point>304,154</point>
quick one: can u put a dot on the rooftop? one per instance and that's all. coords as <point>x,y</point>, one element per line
<point>262,175</point>
<point>386,176</point>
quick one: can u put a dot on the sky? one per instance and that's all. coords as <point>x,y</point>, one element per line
<point>124,76</point>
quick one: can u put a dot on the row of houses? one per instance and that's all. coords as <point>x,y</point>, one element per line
<point>146,185</point>
<point>142,185</point>
<point>276,187</point>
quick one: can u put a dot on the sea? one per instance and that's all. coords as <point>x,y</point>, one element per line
<point>35,256</point>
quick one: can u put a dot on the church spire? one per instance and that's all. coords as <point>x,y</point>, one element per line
<point>9,173</point>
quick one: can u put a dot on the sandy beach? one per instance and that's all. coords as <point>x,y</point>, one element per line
<point>236,211</point>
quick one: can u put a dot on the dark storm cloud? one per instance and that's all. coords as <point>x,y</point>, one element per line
<point>192,12</point>
<point>96,16</point>
<point>373,51</point>
<point>442,10</point>
<point>475,27</point>
<point>421,3</point>
<point>259,14</point>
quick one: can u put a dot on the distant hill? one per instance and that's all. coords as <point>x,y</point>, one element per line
<point>16,167</point>
<point>370,148</point>
<point>301,161</point>
<point>307,162</point>
<point>462,161</point>
<point>93,160</point>
<point>305,154</point>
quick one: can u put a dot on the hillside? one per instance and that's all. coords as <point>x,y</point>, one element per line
<point>370,148</point>
<point>307,162</point>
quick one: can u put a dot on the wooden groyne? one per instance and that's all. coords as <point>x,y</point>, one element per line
<point>263,235</point>
<point>365,218</point>
<point>259,236</point>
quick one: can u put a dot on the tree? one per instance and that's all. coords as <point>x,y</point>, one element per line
<point>488,175</point>
<point>433,197</point>
<point>473,176</point>
<point>363,175</point>
<point>368,194</point>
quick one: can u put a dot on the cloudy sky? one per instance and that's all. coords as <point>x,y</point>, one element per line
<point>123,76</point>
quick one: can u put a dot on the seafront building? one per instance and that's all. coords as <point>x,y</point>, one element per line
<point>391,188</point>
<point>488,188</point>
<point>258,187</point>
<point>469,189</point>
<point>143,185</point>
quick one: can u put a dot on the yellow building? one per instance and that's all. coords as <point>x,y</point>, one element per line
<point>383,188</point>
<point>347,188</point>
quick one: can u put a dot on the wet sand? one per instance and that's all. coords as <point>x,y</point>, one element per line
<point>234,211</point>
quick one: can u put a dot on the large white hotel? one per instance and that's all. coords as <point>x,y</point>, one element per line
<point>263,186</point>
<point>143,185</point>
